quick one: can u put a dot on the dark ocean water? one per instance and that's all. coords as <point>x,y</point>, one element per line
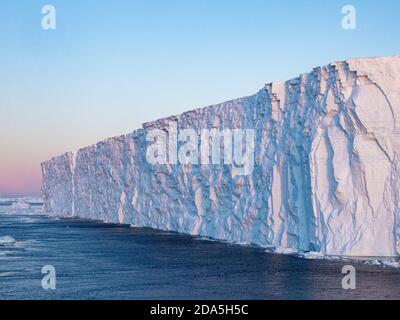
<point>106,261</point>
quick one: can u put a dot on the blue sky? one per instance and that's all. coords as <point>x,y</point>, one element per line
<point>111,65</point>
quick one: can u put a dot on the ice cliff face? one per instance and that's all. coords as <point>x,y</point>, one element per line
<point>325,178</point>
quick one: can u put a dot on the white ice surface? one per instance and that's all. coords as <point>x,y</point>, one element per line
<point>326,175</point>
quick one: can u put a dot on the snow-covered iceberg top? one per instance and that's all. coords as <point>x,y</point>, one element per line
<point>324,155</point>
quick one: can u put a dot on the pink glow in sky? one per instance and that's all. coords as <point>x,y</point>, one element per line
<point>95,77</point>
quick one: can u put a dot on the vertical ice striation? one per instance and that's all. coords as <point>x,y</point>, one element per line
<point>326,168</point>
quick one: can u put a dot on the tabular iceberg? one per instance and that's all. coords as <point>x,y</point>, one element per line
<point>325,177</point>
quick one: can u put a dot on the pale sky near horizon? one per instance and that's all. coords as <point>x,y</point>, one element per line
<point>111,65</point>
